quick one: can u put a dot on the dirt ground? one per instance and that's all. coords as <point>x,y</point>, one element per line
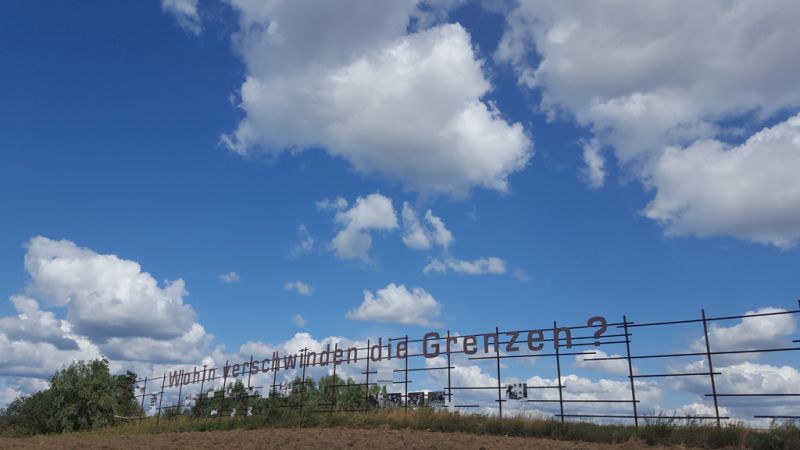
<point>316,438</point>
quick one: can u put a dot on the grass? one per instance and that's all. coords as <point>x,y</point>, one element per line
<point>652,432</point>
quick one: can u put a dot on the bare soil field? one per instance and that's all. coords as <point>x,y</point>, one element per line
<point>316,438</point>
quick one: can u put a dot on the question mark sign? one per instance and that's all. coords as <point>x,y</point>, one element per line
<point>603,328</point>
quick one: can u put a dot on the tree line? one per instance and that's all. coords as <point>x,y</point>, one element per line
<point>85,396</point>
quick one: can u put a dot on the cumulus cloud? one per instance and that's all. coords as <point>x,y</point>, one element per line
<point>373,212</point>
<point>230,277</point>
<point>299,287</point>
<point>396,304</point>
<point>750,333</point>
<point>423,236</point>
<point>145,324</point>
<point>365,90</point>
<point>185,13</point>
<point>105,296</point>
<point>749,191</point>
<point>34,325</point>
<point>645,77</point>
<point>480,266</point>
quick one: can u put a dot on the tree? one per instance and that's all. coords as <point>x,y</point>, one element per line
<point>82,396</point>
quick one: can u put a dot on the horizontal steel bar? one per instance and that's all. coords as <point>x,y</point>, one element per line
<point>609,416</point>
<point>472,387</point>
<point>601,343</point>
<point>754,395</point>
<point>708,319</point>
<point>658,375</point>
<point>671,355</point>
<point>579,401</point>
<point>466,406</point>
<point>777,417</point>
<point>495,387</point>
<point>429,368</point>
<point>535,355</point>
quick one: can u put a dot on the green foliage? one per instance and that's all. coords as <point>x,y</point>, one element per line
<point>28,414</point>
<point>780,436</point>
<point>82,396</point>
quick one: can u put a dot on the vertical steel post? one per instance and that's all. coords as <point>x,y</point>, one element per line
<point>366,383</point>
<point>202,385</point>
<point>303,353</point>
<point>497,358</point>
<point>558,370</point>
<point>180,392</point>
<point>335,384</point>
<point>449,387</point>
<point>405,371</point>
<point>224,387</point>
<point>275,375</point>
<point>630,371</point>
<point>710,367</point>
<point>161,398</point>
<point>144,393</point>
<point>247,395</point>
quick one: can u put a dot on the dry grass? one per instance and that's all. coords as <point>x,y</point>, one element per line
<point>655,432</point>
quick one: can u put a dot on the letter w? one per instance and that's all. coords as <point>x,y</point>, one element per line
<point>289,361</point>
<point>175,378</point>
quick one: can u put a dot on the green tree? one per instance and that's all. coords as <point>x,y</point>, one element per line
<point>82,396</point>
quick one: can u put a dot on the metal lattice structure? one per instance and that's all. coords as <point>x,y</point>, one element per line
<point>586,337</point>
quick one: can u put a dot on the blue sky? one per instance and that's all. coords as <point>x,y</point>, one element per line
<point>197,138</point>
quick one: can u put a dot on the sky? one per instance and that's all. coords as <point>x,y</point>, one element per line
<point>189,181</point>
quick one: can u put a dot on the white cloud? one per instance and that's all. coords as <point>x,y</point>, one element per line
<point>396,304</point>
<point>145,324</point>
<point>105,296</point>
<point>299,321</point>
<point>422,236</point>
<point>373,212</point>
<point>188,347</point>
<point>363,89</point>
<point>435,266</point>
<point>647,76</point>
<point>7,395</point>
<point>480,266</point>
<point>441,235</point>
<point>299,287</point>
<point>230,277</point>
<point>304,244</point>
<point>644,74</point>
<point>34,325</point>
<point>750,191</point>
<point>414,236</point>
<point>751,333</point>
<point>747,378</point>
<point>186,14</point>
<point>594,172</point>
<point>614,366</point>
